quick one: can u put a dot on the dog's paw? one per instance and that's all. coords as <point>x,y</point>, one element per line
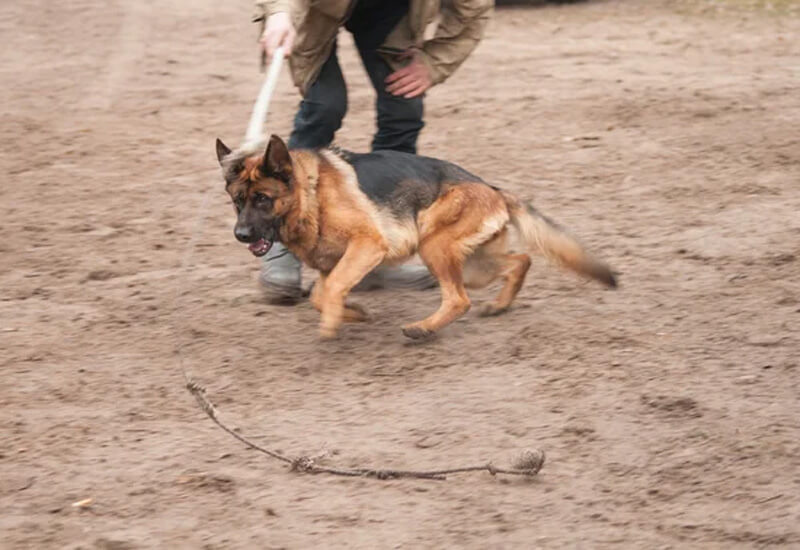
<point>327,333</point>
<point>354,313</point>
<point>490,310</point>
<point>417,333</point>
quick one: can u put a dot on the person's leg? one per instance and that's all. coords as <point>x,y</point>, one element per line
<point>318,118</point>
<point>322,109</point>
<point>399,120</point>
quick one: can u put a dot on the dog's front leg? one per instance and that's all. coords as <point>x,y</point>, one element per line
<point>361,257</point>
<point>353,313</point>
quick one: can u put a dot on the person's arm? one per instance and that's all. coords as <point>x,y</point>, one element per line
<point>278,28</point>
<point>460,28</point>
<point>459,31</point>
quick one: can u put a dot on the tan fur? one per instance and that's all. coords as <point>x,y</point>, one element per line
<point>544,237</point>
<point>400,236</point>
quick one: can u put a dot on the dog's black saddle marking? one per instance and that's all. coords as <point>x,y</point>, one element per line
<point>403,182</point>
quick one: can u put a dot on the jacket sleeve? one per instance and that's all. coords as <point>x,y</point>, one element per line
<point>460,28</point>
<point>265,8</point>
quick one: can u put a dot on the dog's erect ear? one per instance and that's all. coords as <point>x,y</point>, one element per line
<point>277,162</point>
<point>222,150</point>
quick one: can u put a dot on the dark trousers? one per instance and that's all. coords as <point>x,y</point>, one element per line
<point>324,106</point>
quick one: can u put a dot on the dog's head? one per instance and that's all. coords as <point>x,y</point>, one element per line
<point>261,187</point>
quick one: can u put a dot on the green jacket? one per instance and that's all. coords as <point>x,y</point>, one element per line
<point>445,32</point>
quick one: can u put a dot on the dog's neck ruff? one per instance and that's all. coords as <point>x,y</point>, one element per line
<point>303,221</point>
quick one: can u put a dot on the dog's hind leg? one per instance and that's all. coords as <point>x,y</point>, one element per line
<point>492,260</point>
<point>513,270</point>
<point>445,260</point>
<point>485,263</point>
<point>353,313</point>
<point>359,259</point>
<point>465,218</point>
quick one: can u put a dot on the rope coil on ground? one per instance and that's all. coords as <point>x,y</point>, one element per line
<point>527,464</point>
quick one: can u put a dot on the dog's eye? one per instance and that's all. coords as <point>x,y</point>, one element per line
<point>238,202</point>
<point>262,199</point>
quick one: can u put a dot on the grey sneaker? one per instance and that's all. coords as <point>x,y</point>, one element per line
<point>406,277</point>
<point>280,276</point>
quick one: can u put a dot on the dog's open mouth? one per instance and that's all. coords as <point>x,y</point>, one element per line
<point>260,247</point>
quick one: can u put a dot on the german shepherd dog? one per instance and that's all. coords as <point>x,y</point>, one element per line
<point>344,214</point>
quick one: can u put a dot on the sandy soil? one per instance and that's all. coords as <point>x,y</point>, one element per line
<point>666,137</point>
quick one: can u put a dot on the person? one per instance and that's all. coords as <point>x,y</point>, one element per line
<point>406,46</point>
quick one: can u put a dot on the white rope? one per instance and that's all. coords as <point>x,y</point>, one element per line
<point>255,129</point>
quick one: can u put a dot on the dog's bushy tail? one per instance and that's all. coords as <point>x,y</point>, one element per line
<point>546,237</point>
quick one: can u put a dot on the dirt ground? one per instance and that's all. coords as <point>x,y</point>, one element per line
<point>664,135</point>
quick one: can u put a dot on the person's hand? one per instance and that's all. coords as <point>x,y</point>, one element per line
<point>278,32</point>
<point>412,80</point>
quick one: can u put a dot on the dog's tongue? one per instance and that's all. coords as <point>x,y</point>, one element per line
<point>260,247</point>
